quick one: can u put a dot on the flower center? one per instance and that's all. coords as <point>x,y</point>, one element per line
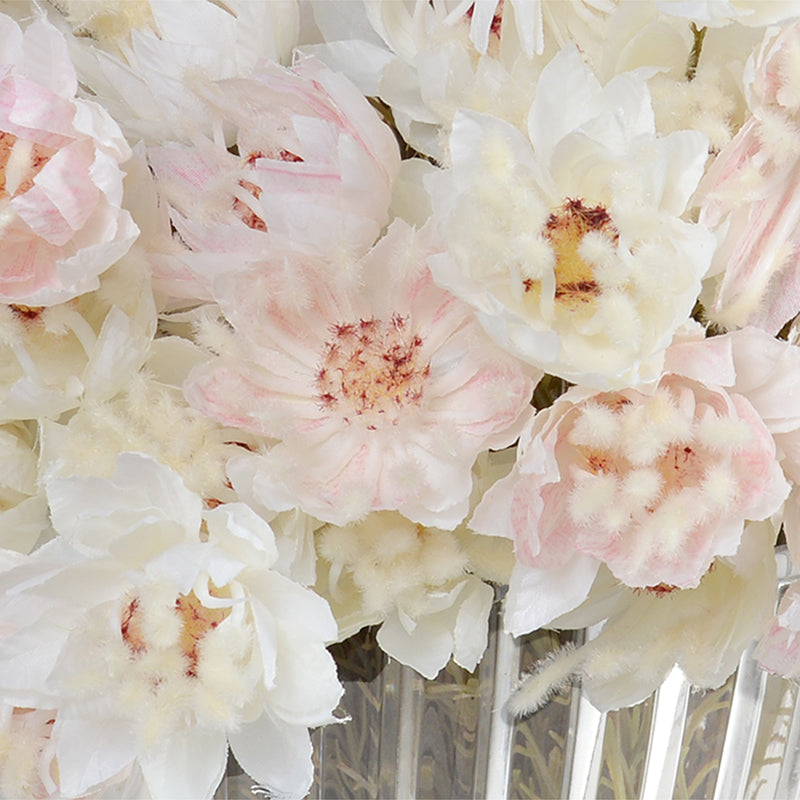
<point>566,230</point>
<point>20,162</point>
<point>647,476</point>
<point>372,368</point>
<point>195,621</point>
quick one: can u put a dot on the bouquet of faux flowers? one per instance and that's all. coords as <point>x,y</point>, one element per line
<point>317,315</point>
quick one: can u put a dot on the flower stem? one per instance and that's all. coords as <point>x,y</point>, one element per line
<point>694,55</point>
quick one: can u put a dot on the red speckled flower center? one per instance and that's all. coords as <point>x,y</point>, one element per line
<point>566,227</point>
<point>195,618</point>
<point>372,368</point>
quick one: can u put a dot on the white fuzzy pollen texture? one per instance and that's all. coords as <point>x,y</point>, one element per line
<point>371,369</point>
<point>648,472</point>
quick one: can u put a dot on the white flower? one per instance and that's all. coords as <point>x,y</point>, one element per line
<point>716,13</point>
<point>382,391</point>
<point>147,59</point>
<point>703,630</point>
<point>162,635</point>
<point>426,60</point>
<point>61,224</point>
<point>84,349</point>
<point>569,243</point>
<point>23,510</point>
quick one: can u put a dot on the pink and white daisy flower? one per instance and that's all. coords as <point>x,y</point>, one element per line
<point>382,392</point>
<point>656,484</point>
<point>60,179</point>
<point>181,641</point>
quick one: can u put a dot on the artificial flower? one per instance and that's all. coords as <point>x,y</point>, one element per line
<point>656,484</point>
<point>313,171</point>
<point>23,510</point>
<point>61,184</point>
<point>148,64</point>
<point>568,242</point>
<point>424,586</point>
<point>643,634</point>
<point>180,641</point>
<point>717,13</point>
<point>749,196</point>
<point>85,349</point>
<point>381,392</point>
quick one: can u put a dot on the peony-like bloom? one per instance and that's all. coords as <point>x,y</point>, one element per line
<point>656,484</point>
<point>60,180</point>
<point>644,634</point>
<point>424,586</point>
<point>387,569</point>
<point>181,640</point>
<point>750,196</point>
<point>426,60</point>
<point>314,172</point>
<point>53,358</point>
<point>147,59</point>
<point>382,392</point>
<point>569,242</point>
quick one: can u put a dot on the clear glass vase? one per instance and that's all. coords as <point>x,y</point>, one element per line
<point>449,738</point>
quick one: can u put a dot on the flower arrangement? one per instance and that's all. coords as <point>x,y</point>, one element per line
<point>318,315</point>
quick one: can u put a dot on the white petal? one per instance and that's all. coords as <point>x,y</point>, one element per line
<point>190,763</point>
<point>275,754</point>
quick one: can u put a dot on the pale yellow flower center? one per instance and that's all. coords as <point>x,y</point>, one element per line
<point>576,285</point>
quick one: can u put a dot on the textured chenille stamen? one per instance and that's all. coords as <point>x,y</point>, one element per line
<point>372,368</point>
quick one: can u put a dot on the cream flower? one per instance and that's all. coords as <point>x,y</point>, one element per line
<point>644,634</point>
<point>427,60</point>
<point>60,180</point>
<point>23,509</point>
<point>656,485</point>
<point>181,640</point>
<point>569,243</point>
<point>722,12</point>
<point>382,392</point>
<point>314,172</point>
<point>386,569</point>
<point>750,196</point>
<point>424,586</point>
<point>84,349</point>
<point>147,59</point>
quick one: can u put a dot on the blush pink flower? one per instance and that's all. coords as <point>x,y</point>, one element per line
<point>314,172</point>
<point>61,223</point>
<point>382,392</point>
<point>750,196</point>
<point>655,484</point>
